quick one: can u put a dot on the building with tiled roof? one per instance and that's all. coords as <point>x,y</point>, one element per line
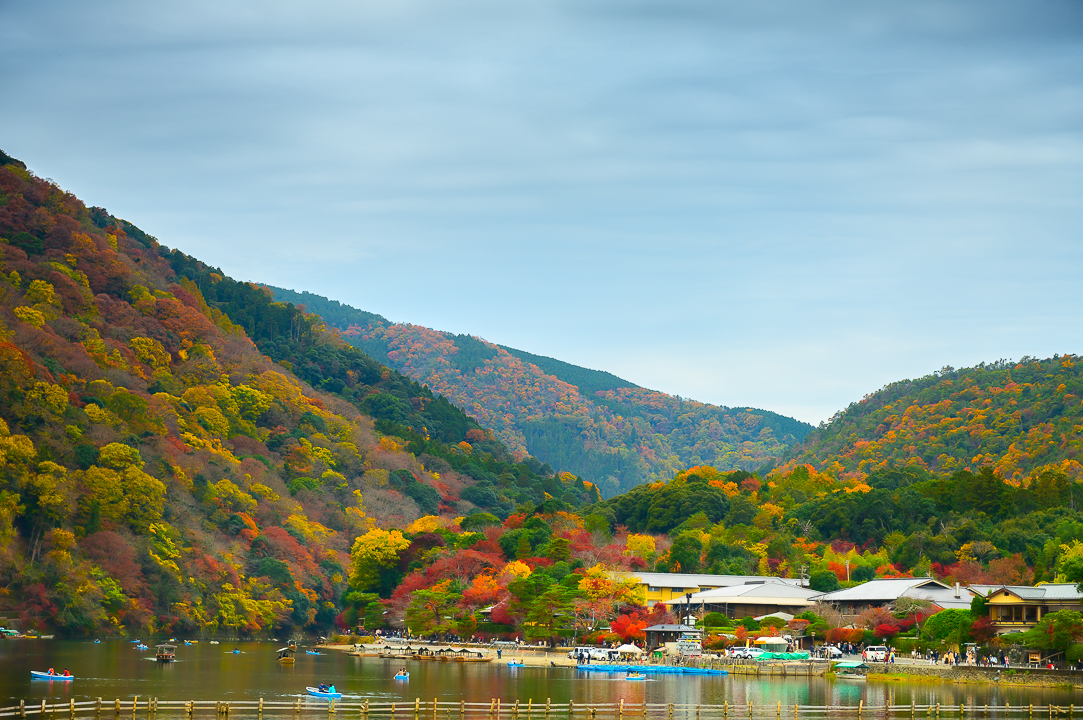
<point>1017,608</point>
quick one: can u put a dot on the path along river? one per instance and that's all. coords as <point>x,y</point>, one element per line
<point>116,669</point>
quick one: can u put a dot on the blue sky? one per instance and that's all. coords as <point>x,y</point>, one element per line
<point>782,205</point>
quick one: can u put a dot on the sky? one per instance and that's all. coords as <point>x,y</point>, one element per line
<point>781,205</point>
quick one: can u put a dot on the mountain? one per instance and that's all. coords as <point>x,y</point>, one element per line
<point>1018,418</point>
<point>180,453</point>
<point>603,428</point>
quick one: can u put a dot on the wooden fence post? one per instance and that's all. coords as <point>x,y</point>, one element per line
<point>261,707</point>
<point>860,707</point>
<point>43,706</point>
<point>620,710</point>
<point>434,709</point>
<point>22,707</point>
<point>516,711</point>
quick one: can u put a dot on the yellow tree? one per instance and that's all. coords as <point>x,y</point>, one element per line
<point>371,553</point>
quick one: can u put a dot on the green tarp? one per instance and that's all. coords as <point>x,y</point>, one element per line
<point>784,656</point>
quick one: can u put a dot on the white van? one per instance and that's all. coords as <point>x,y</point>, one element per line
<point>603,654</point>
<point>575,652</point>
<point>875,653</point>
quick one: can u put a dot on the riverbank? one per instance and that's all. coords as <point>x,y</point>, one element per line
<point>527,655</point>
<point>962,674</point>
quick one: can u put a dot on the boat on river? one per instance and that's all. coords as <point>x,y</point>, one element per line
<point>512,663</point>
<point>324,694</point>
<point>165,653</point>
<point>285,655</point>
<point>40,675</point>
<point>853,670</point>
<point>402,675</point>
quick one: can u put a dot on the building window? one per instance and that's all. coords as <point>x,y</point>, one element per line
<point>653,589</point>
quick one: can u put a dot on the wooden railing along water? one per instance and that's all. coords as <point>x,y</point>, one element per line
<point>497,709</point>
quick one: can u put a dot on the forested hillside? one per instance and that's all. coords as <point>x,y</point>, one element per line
<point>591,423</point>
<point>180,453</point>
<point>1018,418</point>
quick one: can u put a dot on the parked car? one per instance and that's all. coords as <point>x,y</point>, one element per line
<point>875,653</point>
<point>831,652</point>
<point>603,654</point>
<point>748,653</point>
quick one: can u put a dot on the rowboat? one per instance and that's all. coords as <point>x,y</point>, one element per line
<point>516,664</point>
<point>47,676</point>
<point>320,693</point>
<point>312,652</point>
<point>402,676</point>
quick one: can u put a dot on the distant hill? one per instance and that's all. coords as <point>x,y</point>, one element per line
<point>1015,417</point>
<point>592,423</point>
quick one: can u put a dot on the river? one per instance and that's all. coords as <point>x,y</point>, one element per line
<point>116,669</point>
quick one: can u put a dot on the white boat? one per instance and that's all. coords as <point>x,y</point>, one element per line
<point>38,674</point>
<point>321,693</point>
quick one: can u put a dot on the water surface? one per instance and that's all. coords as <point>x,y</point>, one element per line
<point>116,669</point>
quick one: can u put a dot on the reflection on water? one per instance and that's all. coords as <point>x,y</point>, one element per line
<point>115,669</point>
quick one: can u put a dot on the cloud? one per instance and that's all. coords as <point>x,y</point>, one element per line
<point>798,201</point>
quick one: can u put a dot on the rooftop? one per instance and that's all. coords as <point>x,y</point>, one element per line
<point>1049,591</point>
<point>688,580</point>
<point>761,592</point>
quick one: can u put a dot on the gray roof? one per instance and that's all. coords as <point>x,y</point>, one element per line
<point>1050,591</point>
<point>690,581</point>
<point>671,628</point>
<point>762,592</point>
<point>886,590</point>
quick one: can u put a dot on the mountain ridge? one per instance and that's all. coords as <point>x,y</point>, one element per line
<point>591,422</point>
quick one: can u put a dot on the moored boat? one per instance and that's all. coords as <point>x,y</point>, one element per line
<point>852,670</point>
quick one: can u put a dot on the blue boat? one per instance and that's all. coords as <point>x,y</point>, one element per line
<point>402,676</point>
<point>312,652</point>
<point>516,664</point>
<point>320,693</point>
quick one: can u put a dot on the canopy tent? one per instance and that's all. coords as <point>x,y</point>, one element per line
<point>629,648</point>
